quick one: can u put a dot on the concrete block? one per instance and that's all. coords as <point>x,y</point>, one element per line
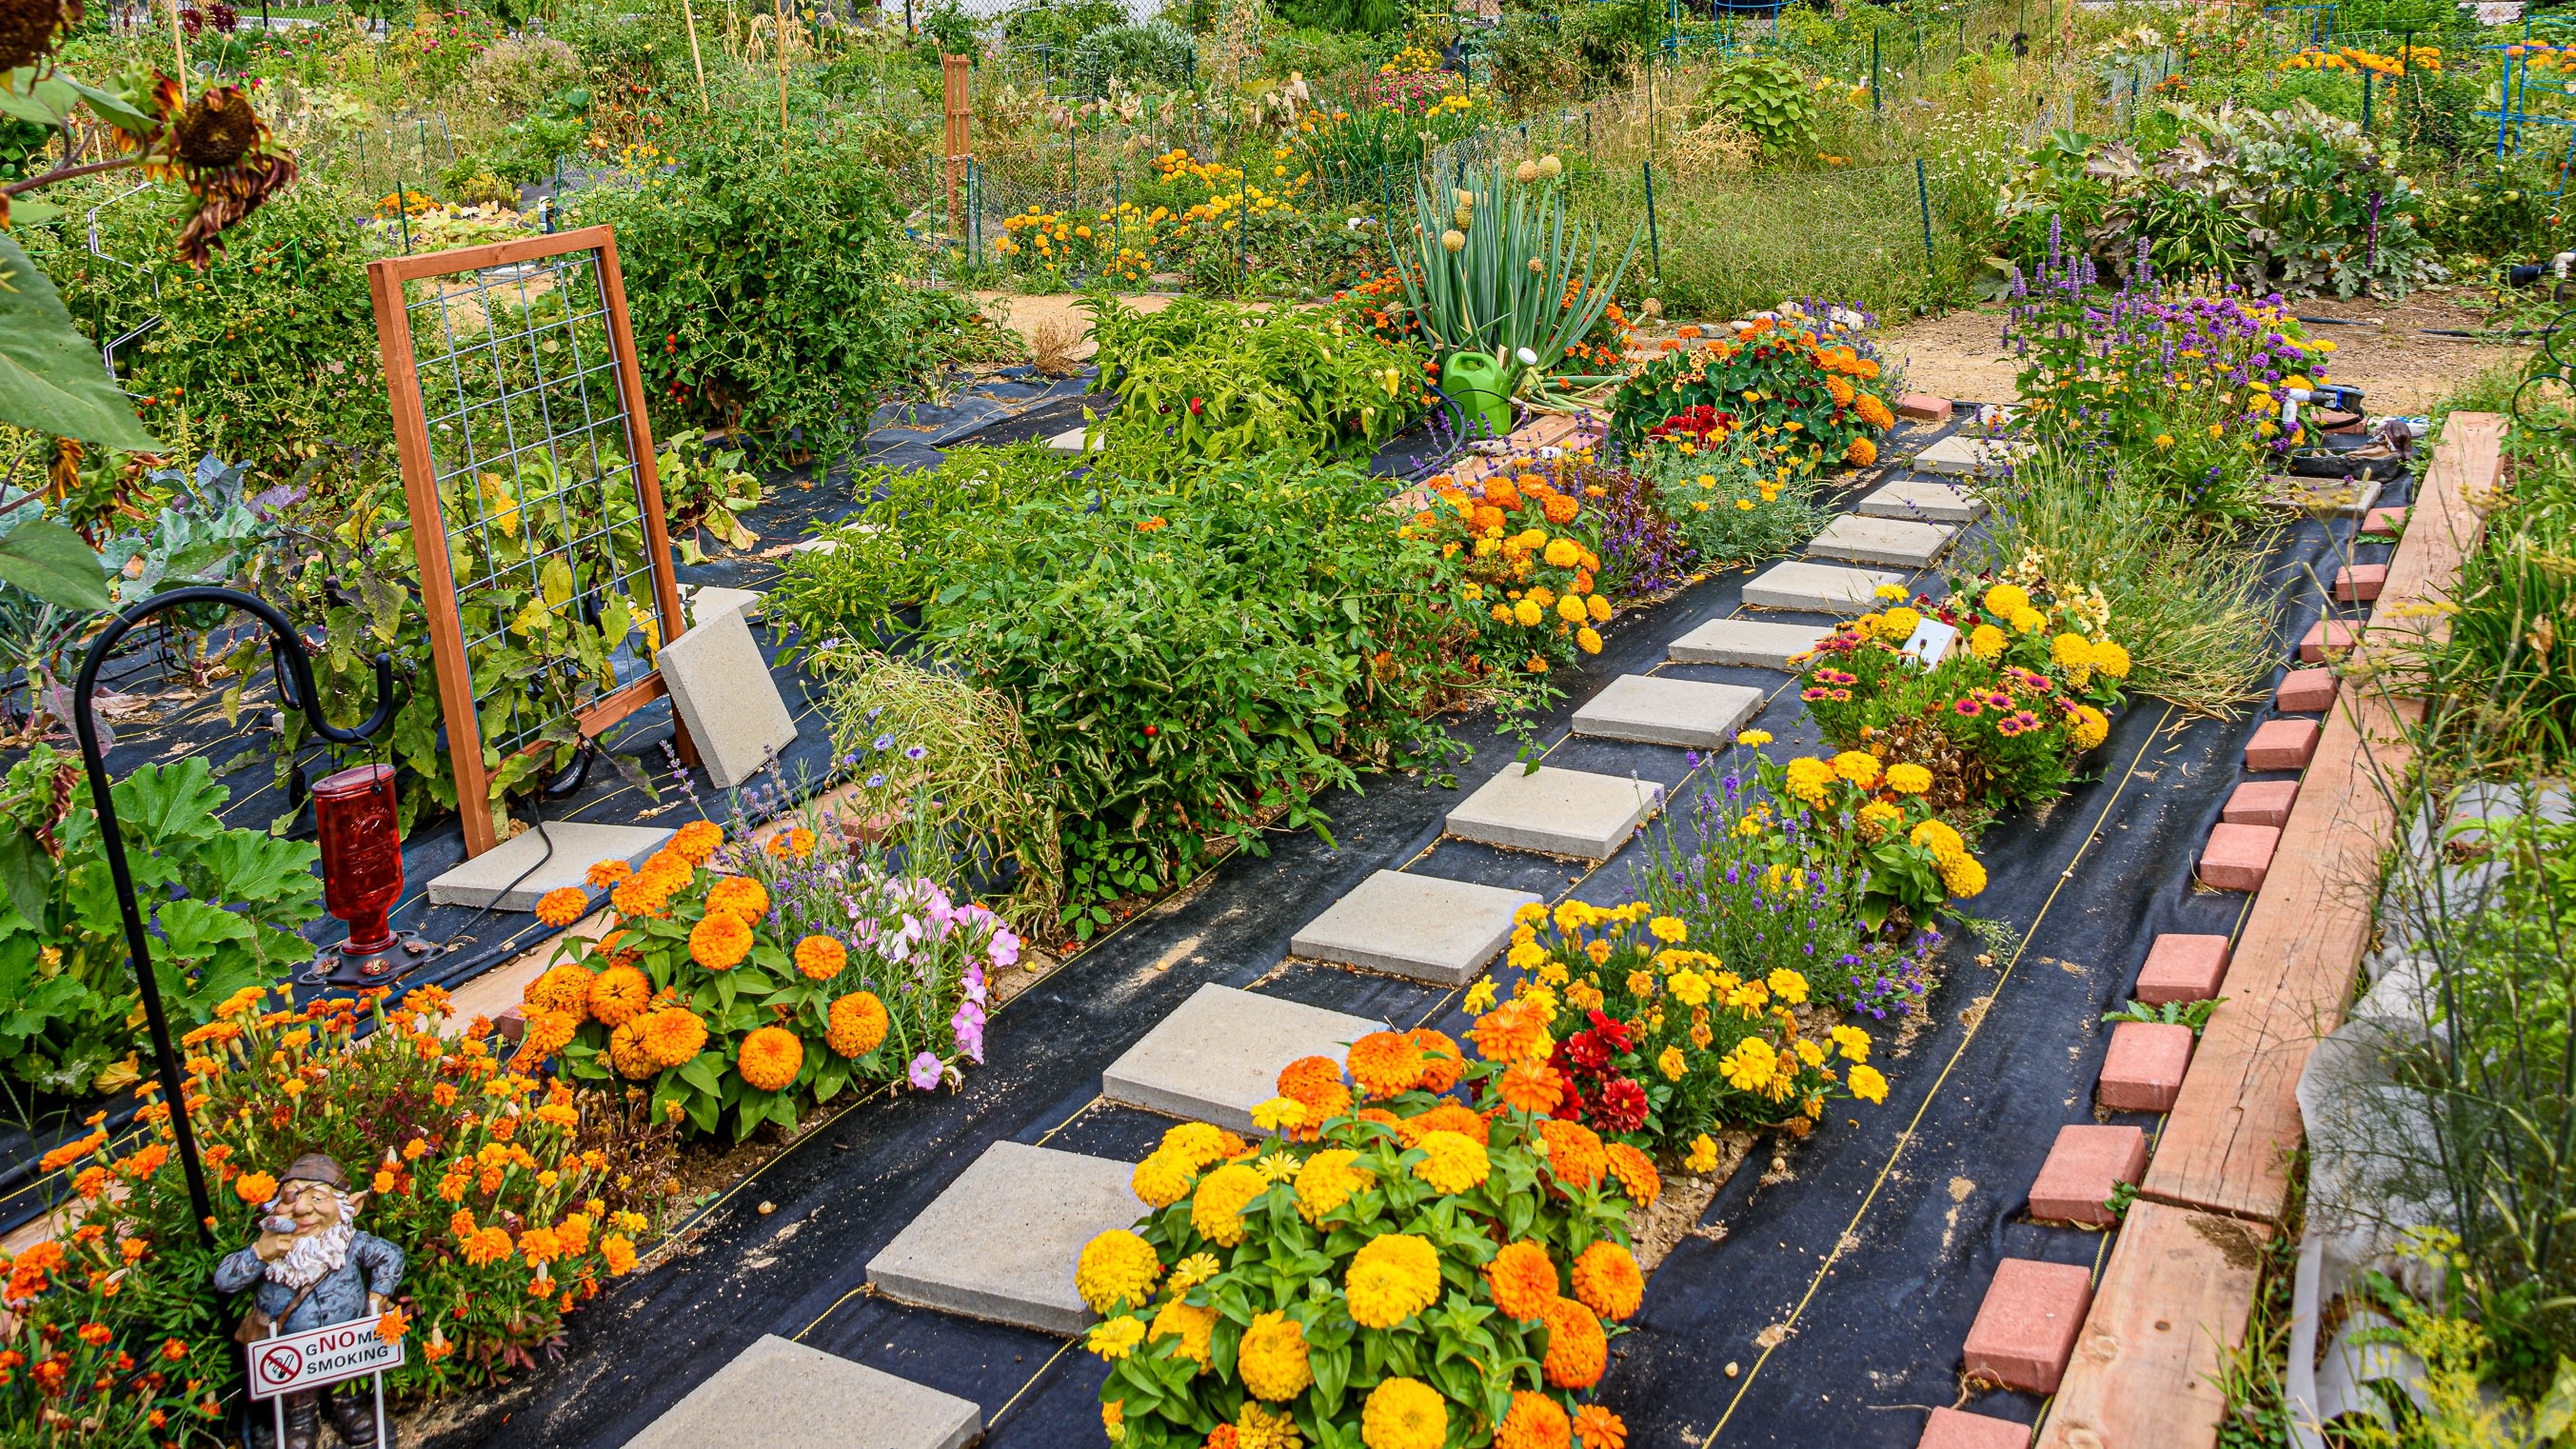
<point>1921,498</point>
<point>706,601</point>
<point>2238,856</point>
<point>1815,588</point>
<point>1651,709</point>
<point>1219,1054</point>
<point>2334,497</point>
<point>2025,1329</point>
<point>2142,1072</point>
<point>2328,638</point>
<point>2383,523</point>
<point>1953,1429</point>
<point>1070,440</point>
<point>1893,542</point>
<point>721,687</point>
<point>1919,407</point>
<point>2261,802</point>
<point>1421,926</point>
<point>493,880</point>
<point>2083,1167</point>
<point>2306,691</point>
<point>1747,642</point>
<point>1555,812</point>
<point>2282,744</point>
<point>2359,583</point>
<point>2182,968</point>
<point>778,1394</point>
<point>999,1244</point>
<point>1960,457</point>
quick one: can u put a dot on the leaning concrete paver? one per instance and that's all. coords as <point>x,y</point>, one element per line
<point>1219,1054</point>
<point>1817,588</point>
<point>1555,812</point>
<point>1962,457</point>
<point>779,1394</point>
<point>1421,926</point>
<point>1747,642</point>
<point>1653,710</point>
<point>1000,1243</point>
<point>1895,542</point>
<point>1924,499</point>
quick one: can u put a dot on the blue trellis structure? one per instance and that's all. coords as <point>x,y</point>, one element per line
<point>2523,86</point>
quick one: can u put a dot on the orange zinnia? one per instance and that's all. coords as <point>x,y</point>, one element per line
<point>1635,1171</point>
<point>1441,1063</point>
<point>1522,1280</point>
<point>1574,1155</point>
<point>1447,1117</point>
<point>1532,1087</point>
<point>1385,1064</point>
<point>1577,1351</point>
<point>1510,1032</point>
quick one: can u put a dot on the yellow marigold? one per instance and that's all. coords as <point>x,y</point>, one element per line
<point>1192,1326</point>
<point>1867,1084</point>
<point>1962,876</point>
<point>2110,660</point>
<point>1986,642</point>
<point>1162,1179</point>
<point>1574,1155</point>
<point>1534,1422</point>
<point>1880,814</point>
<point>697,840</point>
<point>1272,1358</point>
<point>1577,1351</point>
<point>1217,1209</point>
<point>1672,1064</point>
<point>1873,411</point>
<point>821,958</point>
<point>1259,1428</point>
<point>1527,613</point>
<point>1607,1280</point>
<point>770,1058</point>
<point>627,1053</point>
<point>2092,727</point>
<point>1115,1338</point>
<point>1807,779</point>
<point>1897,624</point>
<point>1522,1280</point>
<point>1193,1270</point>
<point>1908,779</point>
<point>1393,1277</point>
<point>1404,1413</point>
<point>1327,1180</point>
<point>1858,767</point>
<point>1117,1269</point>
<point>857,1023</point>
<point>1852,1042</point>
<point>606,873</point>
<point>1284,1115</point>
<point>2072,652</point>
<point>1788,985</point>
<point>617,994</point>
<point>1453,1162</point>
<point>1702,1157</point>
<point>1384,1064</point>
<point>720,941</point>
<point>2005,600</point>
<point>1635,1171</point>
<point>738,895</point>
<point>1565,553</point>
<point>1587,639</point>
<point>1599,608</point>
<point>562,906</point>
<point>672,1035</point>
<point>2029,621</point>
<point>1937,837</point>
<point>1749,1066</point>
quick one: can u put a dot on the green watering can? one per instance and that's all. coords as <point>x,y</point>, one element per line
<point>1482,391</point>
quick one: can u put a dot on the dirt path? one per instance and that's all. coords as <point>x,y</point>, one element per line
<point>2397,367</point>
<point>1025,314</point>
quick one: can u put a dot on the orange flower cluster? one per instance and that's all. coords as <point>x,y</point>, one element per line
<point>1529,572</point>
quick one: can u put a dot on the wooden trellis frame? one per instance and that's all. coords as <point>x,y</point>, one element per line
<point>496,268</point>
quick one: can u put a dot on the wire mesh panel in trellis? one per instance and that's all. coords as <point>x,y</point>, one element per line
<point>536,515</point>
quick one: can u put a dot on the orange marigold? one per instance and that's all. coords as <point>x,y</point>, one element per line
<point>564,988</point>
<point>543,1034</point>
<point>720,941</point>
<point>1522,1280</point>
<point>672,1035</point>
<point>1577,1351</point>
<point>697,840</point>
<point>1598,1428</point>
<point>606,873</point>
<point>858,1024</point>
<point>1873,412</point>
<point>562,906</point>
<point>770,1058</point>
<point>1315,1083</point>
<point>738,895</point>
<point>1636,1172</point>
<point>627,1052</point>
<point>1561,509</point>
<point>1861,453</point>
<point>643,897</point>
<point>1510,1032</point>
<point>821,958</point>
<point>1385,1063</point>
<point>1607,1280</point>
<point>488,1246</point>
<point>1574,1155</point>
<point>618,993</point>
<point>1442,1065</point>
<point>1535,1422</point>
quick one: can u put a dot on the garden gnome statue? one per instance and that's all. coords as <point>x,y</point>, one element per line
<point>309,1268</point>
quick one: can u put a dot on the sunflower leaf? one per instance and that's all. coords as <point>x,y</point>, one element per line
<point>51,378</point>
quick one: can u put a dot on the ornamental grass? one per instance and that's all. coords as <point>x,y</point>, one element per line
<point>1415,1255</point>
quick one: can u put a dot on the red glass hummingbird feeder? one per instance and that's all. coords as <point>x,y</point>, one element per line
<point>362,873</point>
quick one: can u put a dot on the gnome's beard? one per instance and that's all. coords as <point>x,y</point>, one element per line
<point>315,1255</point>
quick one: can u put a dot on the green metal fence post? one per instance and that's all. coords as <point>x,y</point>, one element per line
<point>1873,70</point>
<point>1923,202</point>
<point>1654,232</point>
<point>2365,102</point>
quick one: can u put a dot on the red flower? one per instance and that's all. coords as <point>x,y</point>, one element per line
<point>1621,1106</point>
<point>1612,1030</point>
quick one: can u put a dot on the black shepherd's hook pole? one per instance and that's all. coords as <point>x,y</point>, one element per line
<point>294,666</point>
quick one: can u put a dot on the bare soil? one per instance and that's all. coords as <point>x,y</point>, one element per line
<point>2398,368</point>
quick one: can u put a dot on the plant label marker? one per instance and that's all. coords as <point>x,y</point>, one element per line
<point>1930,642</point>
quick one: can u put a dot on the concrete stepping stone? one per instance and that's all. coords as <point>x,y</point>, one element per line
<point>2142,1071</point>
<point>706,601</point>
<point>2085,1165</point>
<point>2182,967</point>
<point>1921,498</point>
<point>1000,1243</point>
<point>1219,1054</point>
<point>1070,441</point>
<point>509,876</point>
<point>2025,1329</point>
<point>1816,588</point>
<point>1556,812</point>
<point>1420,926</point>
<point>1747,642</point>
<point>1895,542</point>
<point>1652,710</point>
<point>778,1394</point>
<point>721,686</point>
<point>1961,457</point>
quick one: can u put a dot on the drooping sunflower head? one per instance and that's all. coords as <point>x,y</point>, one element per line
<point>216,130</point>
<point>28,27</point>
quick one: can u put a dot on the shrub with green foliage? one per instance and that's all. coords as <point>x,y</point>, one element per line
<point>1766,96</point>
<point>1150,57</point>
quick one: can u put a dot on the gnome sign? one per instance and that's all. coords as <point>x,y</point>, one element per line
<point>310,1268</point>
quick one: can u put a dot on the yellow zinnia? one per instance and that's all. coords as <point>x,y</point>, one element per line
<point>1393,1277</point>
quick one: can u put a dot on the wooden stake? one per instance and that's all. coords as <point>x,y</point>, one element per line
<point>955,81</point>
<point>179,45</point>
<point>782,83</point>
<point>690,14</point>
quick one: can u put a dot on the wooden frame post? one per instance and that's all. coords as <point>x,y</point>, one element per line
<point>956,85</point>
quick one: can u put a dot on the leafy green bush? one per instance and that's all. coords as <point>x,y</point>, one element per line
<point>1768,97</point>
<point>224,907</point>
<point>1206,379</point>
<point>1193,658</point>
<point>764,295</point>
<point>1150,57</point>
